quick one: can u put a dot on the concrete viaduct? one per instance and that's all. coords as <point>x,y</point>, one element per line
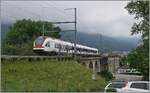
<point>98,64</point>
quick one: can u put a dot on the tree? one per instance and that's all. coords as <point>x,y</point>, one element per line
<point>123,61</point>
<point>139,57</point>
<point>23,33</point>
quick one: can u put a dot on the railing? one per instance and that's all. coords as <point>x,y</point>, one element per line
<point>12,58</point>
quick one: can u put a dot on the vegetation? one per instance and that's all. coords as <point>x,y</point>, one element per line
<point>46,76</point>
<point>123,61</point>
<point>106,74</point>
<point>139,57</point>
<point>111,90</point>
<point>19,39</point>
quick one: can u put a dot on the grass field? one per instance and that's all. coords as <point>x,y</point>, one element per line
<point>46,76</point>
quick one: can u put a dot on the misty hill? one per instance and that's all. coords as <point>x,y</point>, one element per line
<point>4,29</point>
<point>104,43</point>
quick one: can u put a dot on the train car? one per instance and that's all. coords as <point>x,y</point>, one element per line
<point>49,45</point>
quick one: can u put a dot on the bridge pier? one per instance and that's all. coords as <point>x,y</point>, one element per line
<point>87,65</point>
<point>93,65</point>
<point>94,70</point>
<point>99,66</point>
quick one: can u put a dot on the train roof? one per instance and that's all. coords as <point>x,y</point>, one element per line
<point>82,46</point>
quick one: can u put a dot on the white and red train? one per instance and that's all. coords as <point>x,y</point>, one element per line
<point>48,45</point>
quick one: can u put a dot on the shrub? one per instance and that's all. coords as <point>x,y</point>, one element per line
<point>106,74</point>
<point>111,90</point>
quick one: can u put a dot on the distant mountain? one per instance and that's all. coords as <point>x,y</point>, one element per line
<point>4,29</point>
<point>104,43</point>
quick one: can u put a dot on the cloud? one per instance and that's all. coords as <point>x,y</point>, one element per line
<point>105,17</point>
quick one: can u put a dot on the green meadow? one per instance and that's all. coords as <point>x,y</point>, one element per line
<point>48,76</point>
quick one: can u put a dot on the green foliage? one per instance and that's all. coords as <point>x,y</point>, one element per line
<point>141,11</point>
<point>139,57</point>
<point>48,76</point>
<point>123,61</point>
<point>106,74</point>
<point>20,38</point>
<point>23,49</point>
<point>111,90</point>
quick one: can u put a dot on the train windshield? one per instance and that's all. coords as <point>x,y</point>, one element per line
<point>39,40</point>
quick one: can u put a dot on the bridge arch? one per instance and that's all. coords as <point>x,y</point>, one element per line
<point>91,65</point>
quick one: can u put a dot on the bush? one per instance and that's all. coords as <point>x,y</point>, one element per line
<point>106,74</point>
<point>22,49</point>
<point>111,90</point>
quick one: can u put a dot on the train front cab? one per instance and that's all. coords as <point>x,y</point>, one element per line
<point>38,47</point>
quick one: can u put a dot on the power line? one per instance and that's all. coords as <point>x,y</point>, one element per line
<point>48,11</point>
<point>60,9</point>
<point>54,6</point>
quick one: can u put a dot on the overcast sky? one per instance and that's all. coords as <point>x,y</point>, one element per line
<point>105,17</point>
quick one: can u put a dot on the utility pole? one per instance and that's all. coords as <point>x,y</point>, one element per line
<point>43,22</point>
<point>101,43</point>
<point>75,29</point>
<point>43,29</point>
<point>75,55</point>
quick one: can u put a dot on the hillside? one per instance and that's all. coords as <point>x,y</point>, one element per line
<point>104,43</point>
<point>48,76</point>
<point>4,29</point>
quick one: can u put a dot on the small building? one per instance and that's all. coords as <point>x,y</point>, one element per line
<point>110,63</point>
<point>113,63</point>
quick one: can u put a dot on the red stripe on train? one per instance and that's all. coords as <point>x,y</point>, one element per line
<point>38,46</point>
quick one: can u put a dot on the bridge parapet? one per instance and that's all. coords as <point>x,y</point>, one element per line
<point>11,58</point>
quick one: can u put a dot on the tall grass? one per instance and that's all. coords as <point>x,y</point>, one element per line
<point>47,76</point>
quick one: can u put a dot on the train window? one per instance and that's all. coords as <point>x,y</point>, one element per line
<point>72,48</point>
<point>39,40</point>
<point>66,47</point>
<point>59,46</point>
<point>69,47</point>
<point>47,44</point>
<point>80,49</point>
<point>56,45</point>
